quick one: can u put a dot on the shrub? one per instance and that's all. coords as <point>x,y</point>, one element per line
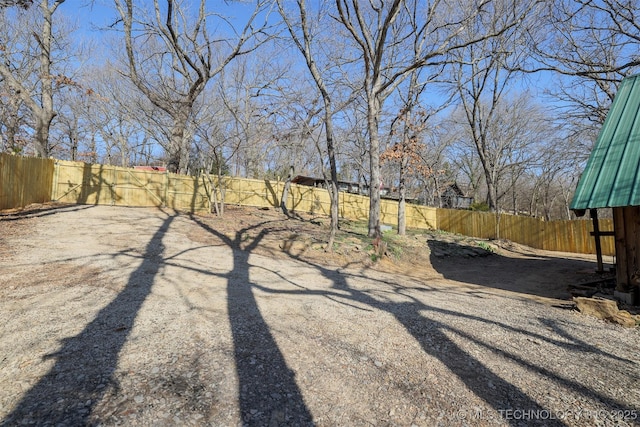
<point>480,207</point>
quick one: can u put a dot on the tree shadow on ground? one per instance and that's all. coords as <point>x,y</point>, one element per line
<point>85,364</point>
<point>267,389</point>
<point>434,338</point>
<point>40,211</point>
<point>542,276</point>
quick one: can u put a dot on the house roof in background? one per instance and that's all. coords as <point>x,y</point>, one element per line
<point>611,177</point>
<point>453,187</point>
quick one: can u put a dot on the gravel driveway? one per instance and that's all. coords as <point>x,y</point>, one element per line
<point>129,316</point>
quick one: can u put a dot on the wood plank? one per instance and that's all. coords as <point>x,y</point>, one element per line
<point>622,278</point>
<point>631,217</point>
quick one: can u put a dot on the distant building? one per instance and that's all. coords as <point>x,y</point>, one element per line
<point>151,168</point>
<point>345,186</point>
<point>454,198</point>
<point>394,195</point>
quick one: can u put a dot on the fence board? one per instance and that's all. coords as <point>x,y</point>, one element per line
<point>84,183</point>
<point>186,193</point>
<point>24,180</point>
<point>475,224</point>
<point>424,217</point>
<point>354,206</point>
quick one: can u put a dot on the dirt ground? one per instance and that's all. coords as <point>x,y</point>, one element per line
<point>129,316</point>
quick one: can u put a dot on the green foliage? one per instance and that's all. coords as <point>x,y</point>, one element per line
<point>487,247</point>
<point>395,250</point>
<point>223,167</point>
<point>480,207</point>
<point>357,231</point>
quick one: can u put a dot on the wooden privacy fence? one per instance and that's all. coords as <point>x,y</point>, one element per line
<point>24,180</point>
<point>84,183</point>
<point>564,236</point>
<point>355,206</point>
<point>28,180</point>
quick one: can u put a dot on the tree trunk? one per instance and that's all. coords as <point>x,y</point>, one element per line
<point>123,151</point>
<point>285,193</point>
<point>46,115</point>
<point>42,111</point>
<point>373,111</point>
<point>42,124</point>
<point>222,192</point>
<point>532,201</point>
<point>333,190</point>
<point>402,192</point>
<point>492,190</point>
<point>178,160</point>
<point>305,47</point>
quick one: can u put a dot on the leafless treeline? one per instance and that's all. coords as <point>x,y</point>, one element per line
<point>504,98</point>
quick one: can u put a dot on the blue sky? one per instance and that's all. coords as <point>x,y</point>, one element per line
<point>88,15</point>
<point>95,14</point>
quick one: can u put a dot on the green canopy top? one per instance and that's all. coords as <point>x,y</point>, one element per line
<point>611,177</point>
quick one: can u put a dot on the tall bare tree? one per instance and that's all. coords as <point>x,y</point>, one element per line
<point>38,98</point>
<point>407,153</point>
<point>380,32</point>
<point>13,121</point>
<point>411,125</point>
<point>117,119</point>
<point>298,119</point>
<point>506,138</point>
<point>589,47</point>
<point>171,57</point>
<point>482,74</point>
<point>214,149</point>
<point>245,93</point>
<point>300,31</point>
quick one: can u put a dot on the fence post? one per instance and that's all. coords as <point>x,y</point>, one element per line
<point>596,236</point>
<point>56,177</point>
<point>114,185</point>
<point>166,189</point>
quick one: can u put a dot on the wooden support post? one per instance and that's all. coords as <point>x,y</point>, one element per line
<point>166,189</point>
<point>620,229</point>
<point>56,177</point>
<point>596,236</point>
